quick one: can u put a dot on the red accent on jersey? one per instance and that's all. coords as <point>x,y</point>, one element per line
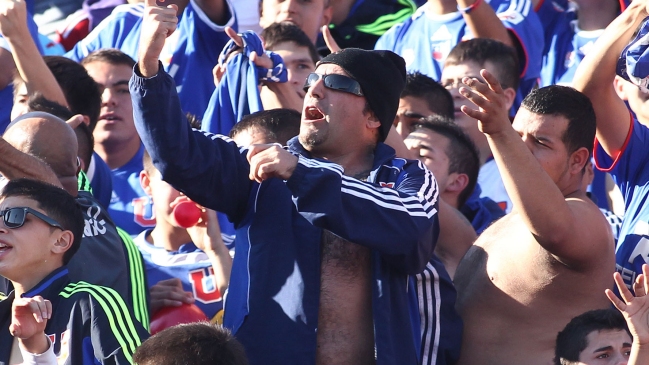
<point>138,212</point>
<point>198,280</point>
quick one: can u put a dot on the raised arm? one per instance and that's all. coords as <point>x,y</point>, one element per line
<point>27,58</point>
<point>596,73</point>
<point>206,235</point>
<point>209,169</point>
<point>482,21</point>
<point>566,227</point>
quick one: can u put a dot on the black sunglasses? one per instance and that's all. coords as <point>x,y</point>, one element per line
<point>335,82</point>
<point>15,217</point>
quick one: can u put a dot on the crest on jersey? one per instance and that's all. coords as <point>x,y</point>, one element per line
<point>204,287</point>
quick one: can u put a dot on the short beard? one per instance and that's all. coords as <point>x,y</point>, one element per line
<point>311,139</point>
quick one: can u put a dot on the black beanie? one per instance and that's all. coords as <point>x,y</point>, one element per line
<point>382,76</point>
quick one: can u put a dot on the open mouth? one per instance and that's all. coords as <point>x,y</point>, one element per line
<point>4,248</point>
<point>313,113</point>
<point>109,117</point>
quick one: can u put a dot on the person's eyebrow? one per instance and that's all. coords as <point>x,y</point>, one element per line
<point>413,115</point>
<point>605,348</point>
<point>120,83</point>
<point>305,59</point>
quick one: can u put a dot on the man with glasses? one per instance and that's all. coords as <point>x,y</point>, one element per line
<point>43,147</point>
<point>47,315</point>
<point>327,230</point>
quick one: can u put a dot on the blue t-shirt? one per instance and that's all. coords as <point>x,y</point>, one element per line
<point>130,207</point>
<point>565,46</point>
<point>188,56</point>
<point>630,172</point>
<point>426,39</point>
<point>190,265</point>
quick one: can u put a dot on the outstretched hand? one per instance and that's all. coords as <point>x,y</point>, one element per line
<point>634,308</point>
<point>260,60</point>
<point>158,23</point>
<point>492,113</point>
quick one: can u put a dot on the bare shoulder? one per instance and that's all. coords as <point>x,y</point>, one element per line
<point>592,240</point>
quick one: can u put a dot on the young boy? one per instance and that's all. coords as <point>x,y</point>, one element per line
<point>183,265</point>
<point>595,337</point>
<point>193,343</point>
<point>41,230</point>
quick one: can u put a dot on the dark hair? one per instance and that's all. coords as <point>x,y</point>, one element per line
<point>571,341</point>
<point>288,32</point>
<point>57,204</point>
<point>111,56</point>
<point>279,125</point>
<point>38,103</point>
<point>461,152</point>
<point>438,99</point>
<point>80,90</point>
<point>483,50</point>
<point>198,343</point>
<point>571,104</point>
<point>194,121</point>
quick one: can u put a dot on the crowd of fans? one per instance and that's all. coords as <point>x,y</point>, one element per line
<point>325,182</point>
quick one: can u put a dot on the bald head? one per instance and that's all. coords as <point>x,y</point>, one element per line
<point>47,137</point>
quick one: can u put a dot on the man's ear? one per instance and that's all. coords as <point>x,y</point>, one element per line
<point>63,243</point>
<point>145,182</point>
<point>618,85</point>
<point>511,96</point>
<point>578,160</point>
<point>456,183</point>
<point>327,14</point>
<point>373,121</point>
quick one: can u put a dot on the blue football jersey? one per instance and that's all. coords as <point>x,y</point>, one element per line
<point>188,56</point>
<point>190,265</point>
<point>130,207</point>
<point>565,46</point>
<point>631,174</point>
<point>426,39</point>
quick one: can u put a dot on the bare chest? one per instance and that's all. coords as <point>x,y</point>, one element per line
<point>345,325</point>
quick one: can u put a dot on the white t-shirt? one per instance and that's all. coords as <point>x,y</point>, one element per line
<point>492,185</point>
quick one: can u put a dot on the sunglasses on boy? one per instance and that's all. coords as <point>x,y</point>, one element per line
<point>335,82</point>
<point>15,217</point>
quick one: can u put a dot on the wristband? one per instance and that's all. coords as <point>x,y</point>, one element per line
<point>469,8</point>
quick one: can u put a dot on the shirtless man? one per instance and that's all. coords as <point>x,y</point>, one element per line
<point>551,258</point>
<point>324,246</point>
